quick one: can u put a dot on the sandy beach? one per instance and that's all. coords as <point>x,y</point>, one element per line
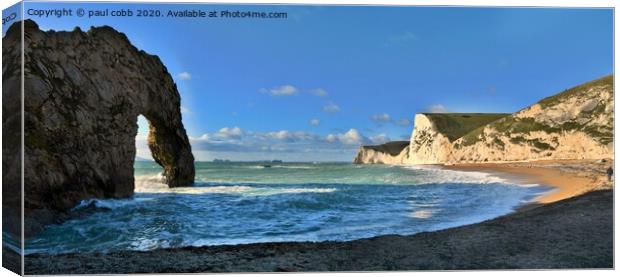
<point>568,177</point>
<point>571,227</point>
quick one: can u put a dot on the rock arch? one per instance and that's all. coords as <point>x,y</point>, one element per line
<point>83,94</point>
<point>171,150</point>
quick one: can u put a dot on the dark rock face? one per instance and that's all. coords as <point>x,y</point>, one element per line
<point>83,94</point>
<point>11,156</point>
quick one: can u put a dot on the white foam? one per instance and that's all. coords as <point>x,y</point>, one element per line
<point>280,166</point>
<point>104,203</point>
<point>153,185</point>
<point>293,166</point>
<point>246,190</point>
<point>145,244</point>
<point>529,185</point>
<point>435,175</point>
<point>214,189</point>
<point>422,214</point>
<point>292,190</point>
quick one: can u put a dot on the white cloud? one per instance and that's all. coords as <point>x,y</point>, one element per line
<point>351,137</point>
<point>384,117</point>
<point>331,108</point>
<point>143,127</point>
<point>238,136</point>
<point>289,136</point>
<point>319,92</point>
<point>281,135</point>
<point>184,76</point>
<point>437,109</point>
<point>185,110</point>
<point>204,137</point>
<point>285,90</point>
<point>315,122</point>
<point>331,138</point>
<point>235,140</point>
<point>282,144</point>
<point>306,136</point>
<point>142,136</point>
<point>227,132</point>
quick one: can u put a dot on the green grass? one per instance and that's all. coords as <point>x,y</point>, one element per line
<point>602,135</point>
<point>518,140</point>
<point>499,143</point>
<point>541,145</point>
<point>393,147</point>
<point>456,125</point>
<point>510,125</point>
<point>552,100</point>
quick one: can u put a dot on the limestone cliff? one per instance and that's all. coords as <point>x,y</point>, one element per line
<point>574,124</point>
<point>83,94</point>
<point>433,135</point>
<point>393,152</point>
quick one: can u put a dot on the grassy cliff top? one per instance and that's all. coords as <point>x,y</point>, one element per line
<point>557,98</point>
<point>456,125</point>
<point>393,147</point>
<point>512,125</point>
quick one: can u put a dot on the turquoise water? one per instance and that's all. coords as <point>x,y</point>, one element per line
<point>234,203</point>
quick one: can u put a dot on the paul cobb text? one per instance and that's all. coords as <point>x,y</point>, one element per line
<point>185,13</point>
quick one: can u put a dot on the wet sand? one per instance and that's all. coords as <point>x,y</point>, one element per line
<point>567,177</point>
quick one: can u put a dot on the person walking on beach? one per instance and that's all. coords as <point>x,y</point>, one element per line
<point>610,173</point>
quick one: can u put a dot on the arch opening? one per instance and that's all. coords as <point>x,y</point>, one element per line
<point>143,153</point>
<point>163,141</point>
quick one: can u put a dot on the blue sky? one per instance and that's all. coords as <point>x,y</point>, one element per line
<point>323,81</point>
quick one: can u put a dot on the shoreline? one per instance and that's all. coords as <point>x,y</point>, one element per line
<point>572,233</point>
<point>537,235</point>
<point>568,178</point>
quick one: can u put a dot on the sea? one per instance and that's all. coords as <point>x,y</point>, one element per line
<point>253,202</point>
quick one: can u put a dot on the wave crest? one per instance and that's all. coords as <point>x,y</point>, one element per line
<point>147,185</point>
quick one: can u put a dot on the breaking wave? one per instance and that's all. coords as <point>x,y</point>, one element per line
<point>231,204</point>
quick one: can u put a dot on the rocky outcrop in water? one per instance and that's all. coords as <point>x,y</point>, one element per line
<point>574,124</point>
<point>83,94</point>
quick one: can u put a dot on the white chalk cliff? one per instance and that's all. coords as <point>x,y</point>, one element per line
<point>574,124</point>
<point>395,152</point>
<point>427,145</point>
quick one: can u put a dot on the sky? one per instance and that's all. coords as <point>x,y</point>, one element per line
<point>326,79</point>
